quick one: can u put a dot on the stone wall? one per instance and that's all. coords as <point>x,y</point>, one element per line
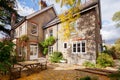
<point>86,30</point>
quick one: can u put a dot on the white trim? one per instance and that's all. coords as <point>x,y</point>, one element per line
<point>31,24</point>
<point>49,49</point>
<point>34,56</point>
<point>75,42</point>
<point>66,45</point>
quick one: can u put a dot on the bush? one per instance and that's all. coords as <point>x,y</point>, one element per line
<point>46,43</point>
<point>104,60</point>
<point>6,49</point>
<point>115,76</point>
<point>56,57</point>
<point>88,64</point>
<point>85,78</point>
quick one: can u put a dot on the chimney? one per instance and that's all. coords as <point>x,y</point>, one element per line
<point>13,19</point>
<point>42,4</point>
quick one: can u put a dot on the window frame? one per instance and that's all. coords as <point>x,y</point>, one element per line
<point>50,49</point>
<point>64,45</point>
<point>51,30</point>
<point>34,46</point>
<point>33,24</point>
<point>81,50</point>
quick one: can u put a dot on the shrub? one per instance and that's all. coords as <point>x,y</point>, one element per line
<point>6,48</point>
<point>45,51</point>
<point>115,76</point>
<point>88,64</point>
<point>85,78</point>
<point>45,44</point>
<point>56,57</point>
<point>104,60</point>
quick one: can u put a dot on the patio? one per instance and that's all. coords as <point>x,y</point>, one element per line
<point>57,71</point>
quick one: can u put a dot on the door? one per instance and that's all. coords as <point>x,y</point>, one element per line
<point>33,51</point>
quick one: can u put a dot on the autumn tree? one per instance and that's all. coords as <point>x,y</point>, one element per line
<point>69,2</point>
<point>69,17</point>
<point>116,18</point>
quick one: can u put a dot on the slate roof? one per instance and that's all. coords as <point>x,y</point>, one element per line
<point>83,9</point>
<point>32,15</point>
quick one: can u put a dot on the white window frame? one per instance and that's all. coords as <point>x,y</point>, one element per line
<point>50,51</point>
<point>75,42</point>
<point>20,31</point>
<point>34,45</point>
<point>36,30</point>
<point>50,33</point>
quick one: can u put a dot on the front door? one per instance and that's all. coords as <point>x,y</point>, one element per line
<point>33,51</point>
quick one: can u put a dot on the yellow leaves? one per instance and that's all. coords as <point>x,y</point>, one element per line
<point>70,3</point>
<point>68,18</point>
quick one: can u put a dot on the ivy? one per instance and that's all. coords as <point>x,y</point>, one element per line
<point>46,43</point>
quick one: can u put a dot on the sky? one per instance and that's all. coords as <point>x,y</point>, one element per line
<point>108,7</point>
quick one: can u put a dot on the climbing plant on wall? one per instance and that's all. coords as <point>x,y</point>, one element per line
<point>23,42</point>
<point>68,19</point>
<point>46,43</point>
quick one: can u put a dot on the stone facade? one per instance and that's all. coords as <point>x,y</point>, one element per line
<point>88,30</point>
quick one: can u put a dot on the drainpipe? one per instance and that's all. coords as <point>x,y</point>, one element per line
<point>57,37</point>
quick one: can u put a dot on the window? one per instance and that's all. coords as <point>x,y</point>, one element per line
<point>65,45</point>
<point>20,30</point>
<point>15,34</point>
<point>34,29</point>
<point>74,47</point>
<point>50,49</point>
<point>83,46</point>
<point>79,47</point>
<point>51,32</point>
<point>33,49</point>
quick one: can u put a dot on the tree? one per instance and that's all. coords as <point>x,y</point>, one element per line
<point>7,9</point>
<point>117,47</point>
<point>6,49</point>
<point>68,20</point>
<point>69,2</point>
<point>116,18</point>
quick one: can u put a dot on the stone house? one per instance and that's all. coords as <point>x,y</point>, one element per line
<point>83,46</point>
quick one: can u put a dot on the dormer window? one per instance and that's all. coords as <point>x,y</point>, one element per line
<point>34,29</point>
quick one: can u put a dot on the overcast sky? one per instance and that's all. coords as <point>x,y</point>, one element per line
<point>108,7</point>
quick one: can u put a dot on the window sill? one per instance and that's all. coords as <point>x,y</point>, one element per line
<point>34,34</point>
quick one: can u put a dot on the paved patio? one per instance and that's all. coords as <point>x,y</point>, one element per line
<point>58,72</point>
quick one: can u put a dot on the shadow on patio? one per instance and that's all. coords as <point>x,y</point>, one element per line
<point>59,72</point>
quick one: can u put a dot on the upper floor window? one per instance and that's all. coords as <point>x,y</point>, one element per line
<point>51,32</point>
<point>79,47</point>
<point>34,29</point>
<point>20,29</point>
<point>15,34</point>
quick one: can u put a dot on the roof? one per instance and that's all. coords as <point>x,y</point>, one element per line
<point>83,9</point>
<point>51,23</point>
<point>33,14</point>
<point>39,12</point>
